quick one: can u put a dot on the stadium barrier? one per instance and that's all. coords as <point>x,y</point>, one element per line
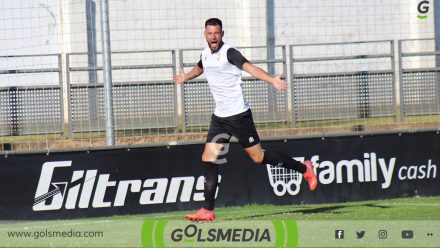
<point>134,180</point>
<point>350,90</point>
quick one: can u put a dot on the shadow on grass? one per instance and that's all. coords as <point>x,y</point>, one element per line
<point>303,211</point>
<point>372,205</point>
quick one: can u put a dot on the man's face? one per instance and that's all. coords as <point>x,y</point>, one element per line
<point>213,35</point>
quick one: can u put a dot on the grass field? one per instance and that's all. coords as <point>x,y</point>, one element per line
<point>124,231</point>
<point>421,208</point>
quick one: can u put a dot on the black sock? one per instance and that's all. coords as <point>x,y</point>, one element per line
<point>281,160</point>
<point>210,171</point>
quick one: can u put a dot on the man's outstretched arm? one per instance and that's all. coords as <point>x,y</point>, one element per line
<point>182,77</point>
<point>259,73</point>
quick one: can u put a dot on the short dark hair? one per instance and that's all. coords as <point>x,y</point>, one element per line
<point>214,22</point>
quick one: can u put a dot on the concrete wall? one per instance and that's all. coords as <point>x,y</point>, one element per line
<point>54,26</point>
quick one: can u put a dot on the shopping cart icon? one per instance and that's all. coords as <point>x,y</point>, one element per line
<point>284,180</point>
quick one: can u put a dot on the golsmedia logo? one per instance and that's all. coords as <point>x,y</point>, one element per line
<point>371,168</point>
<point>423,9</point>
<point>276,233</point>
<point>192,233</point>
<point>88,189</point>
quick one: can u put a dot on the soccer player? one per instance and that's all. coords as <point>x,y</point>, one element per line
<point>223,65</point>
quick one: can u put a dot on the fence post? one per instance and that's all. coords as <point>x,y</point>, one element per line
<point>270,33</point>
<point>60,78</point>
<point>108,85</point>
<point>69,98</point>
<point>92,58</point>
<point>401,108</point>
<point>286,98</point>
<point>182,94</point>
<point>292,85</point>
<point>394,80</point>
<point>176,102</point>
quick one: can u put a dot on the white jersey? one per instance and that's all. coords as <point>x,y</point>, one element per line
<point>224,80</point>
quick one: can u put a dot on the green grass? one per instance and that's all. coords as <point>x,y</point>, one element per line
<point>422,208</point>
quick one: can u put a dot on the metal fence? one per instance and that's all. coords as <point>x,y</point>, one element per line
<point>348,93</point>
<point>137,104</point>
<point>420,87</point>
<point>35,109</point>
<point>354,83</point>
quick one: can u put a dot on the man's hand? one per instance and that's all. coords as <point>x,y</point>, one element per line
<point>259,73</point>
<point>182,77</point>
<point>278,83</point>
<point>179,79</point>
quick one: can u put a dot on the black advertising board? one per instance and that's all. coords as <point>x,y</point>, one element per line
<point>159,179</point>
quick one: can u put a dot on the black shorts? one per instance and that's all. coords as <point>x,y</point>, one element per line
<point>240,126</point>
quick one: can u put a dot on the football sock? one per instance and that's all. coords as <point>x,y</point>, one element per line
<point>210,171</point>
<point>279,159</point>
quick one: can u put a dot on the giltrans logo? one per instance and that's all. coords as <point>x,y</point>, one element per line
<point>85,187</point>
<point>369,169</point>
<point>422,9</point>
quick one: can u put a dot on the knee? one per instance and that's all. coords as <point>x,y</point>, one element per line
<point>208,157</point>
<point>257,158</point>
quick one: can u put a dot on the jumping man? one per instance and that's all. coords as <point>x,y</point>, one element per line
<point>223,65</point>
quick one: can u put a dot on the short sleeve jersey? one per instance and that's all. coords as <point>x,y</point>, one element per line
<point>223,70</point>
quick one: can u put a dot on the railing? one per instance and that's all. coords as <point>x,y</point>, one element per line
<point>138,104</point>
<point>32,107</point>
<point>341,86</point>
<point>420,80</point>
<point>352,84</point>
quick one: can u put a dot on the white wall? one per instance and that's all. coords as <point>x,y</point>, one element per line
<point>54,26</point>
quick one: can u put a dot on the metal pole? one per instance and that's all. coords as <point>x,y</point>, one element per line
<point>270,32</point>
<point>292,86</point>
<point>60,78</point>
<point>437,48</point>
<point>108,87</point>
<point>402,108</point>
<point>92,58</point>
<point>69,97</point>
<point>437,31</point>
<point>394,80</point>
<point>182,94</point>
